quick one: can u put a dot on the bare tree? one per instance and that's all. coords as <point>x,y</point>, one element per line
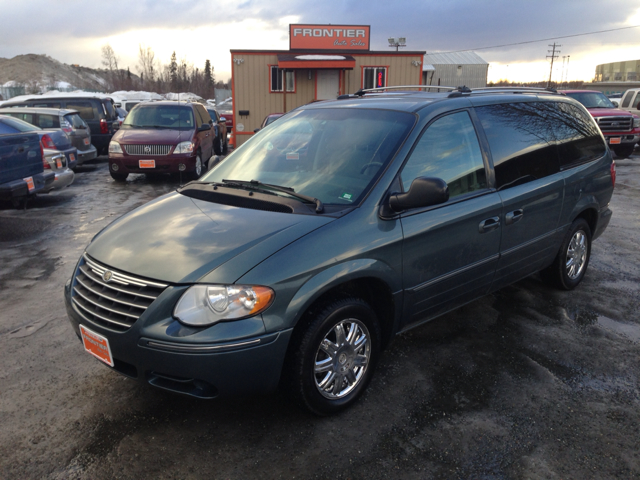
<point>146,60</point>
<point>110,62</point>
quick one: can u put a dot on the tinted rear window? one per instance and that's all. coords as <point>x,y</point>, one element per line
<point>85,109</point>
<point>48,121</point>
<point>20,125</point>
<point>6,128</point>
<point>111,112</point>
<point>578,136</point>
<point>522,141</point>
<point>74,120</point>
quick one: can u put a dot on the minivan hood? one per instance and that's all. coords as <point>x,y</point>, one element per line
<point>178,239</point>
<point>150,136</point>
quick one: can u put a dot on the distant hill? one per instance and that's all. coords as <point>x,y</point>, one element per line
<point>37,73</point>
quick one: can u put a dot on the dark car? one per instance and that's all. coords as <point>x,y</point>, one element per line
<point>620,128</point>
<point>162,137</point>
<point>22,172</point>
<point>220,143</point>
<point>97,110</point>
<point>296,260</point>
<point>68,121</point>
<point>268,120</point>
<point>51,140</point>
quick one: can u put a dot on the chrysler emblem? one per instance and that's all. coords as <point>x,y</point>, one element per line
<point>147,149</point>
<point>106,276</point>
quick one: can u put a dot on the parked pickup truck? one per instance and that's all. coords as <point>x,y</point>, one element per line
<point>620,128</point>
<point>22,172</point>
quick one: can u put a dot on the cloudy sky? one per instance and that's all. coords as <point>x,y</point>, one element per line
<point>73,31</point>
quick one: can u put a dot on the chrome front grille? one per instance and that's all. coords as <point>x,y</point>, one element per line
<point>154,150</point>
<point>109,298</point>
<point>615,124</point>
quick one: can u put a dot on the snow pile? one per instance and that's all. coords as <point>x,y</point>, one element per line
<point>183,96</point>
<point>57,93</point>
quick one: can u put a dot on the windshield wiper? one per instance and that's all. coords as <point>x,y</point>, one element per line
<point>255,184</point>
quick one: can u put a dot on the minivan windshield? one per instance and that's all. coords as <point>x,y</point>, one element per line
<point>592,99</point>
<point>160,116</point>
<point>332,154</point>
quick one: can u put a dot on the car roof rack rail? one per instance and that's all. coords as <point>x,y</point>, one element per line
<point>515,90</point>
<point>362,91</point>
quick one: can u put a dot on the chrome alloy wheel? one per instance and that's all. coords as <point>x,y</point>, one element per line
<point>198,170</point>
<point>342,359</point>
<point>576,255</point>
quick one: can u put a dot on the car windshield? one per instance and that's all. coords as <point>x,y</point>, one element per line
<point>592,99</point>
<point>334,155</point>
<point>19,125</point>
<point>160,116</point>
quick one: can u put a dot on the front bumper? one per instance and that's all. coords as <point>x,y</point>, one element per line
<point>149,353</point>
<point>123,163</point>
<point>628,138</point>
<point>63,179</point>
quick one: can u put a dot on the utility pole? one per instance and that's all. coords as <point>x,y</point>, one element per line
<point>553,56</point>
<point>567,74</point>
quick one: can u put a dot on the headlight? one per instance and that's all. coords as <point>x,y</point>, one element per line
<point>204,305</point>
<point>636,122</point>
<point>184,147</point>
<point>114,147</point>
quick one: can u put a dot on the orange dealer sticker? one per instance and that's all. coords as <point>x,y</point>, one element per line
<point>614,140</point>
<point>96,345</point>
<point>30,183</point>
<point>146,163</point>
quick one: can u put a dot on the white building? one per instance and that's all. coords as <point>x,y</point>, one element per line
<point>455,70</point>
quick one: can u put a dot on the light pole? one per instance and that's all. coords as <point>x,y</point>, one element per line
<point>397,42</point>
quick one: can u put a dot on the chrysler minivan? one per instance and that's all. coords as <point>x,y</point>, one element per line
<point>295,260</point>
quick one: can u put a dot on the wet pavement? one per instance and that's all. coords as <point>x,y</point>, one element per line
<point>526,383</point>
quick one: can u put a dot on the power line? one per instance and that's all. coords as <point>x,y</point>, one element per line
<point>542,40</point>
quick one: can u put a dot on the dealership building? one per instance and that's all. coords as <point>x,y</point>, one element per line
<point>616,77</point>
<point>323,61</point>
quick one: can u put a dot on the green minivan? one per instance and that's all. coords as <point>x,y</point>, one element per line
<point>296,259</point>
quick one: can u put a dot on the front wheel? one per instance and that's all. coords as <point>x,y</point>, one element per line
<point>199,167</point>
<point>119,177</point>
<point>335,356</point>
<point>624,151</point>
<point>217,146</point>
<point>570,266</point>
<point>225,147</point>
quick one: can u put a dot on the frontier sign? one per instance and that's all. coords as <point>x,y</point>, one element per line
<point>329,37</point>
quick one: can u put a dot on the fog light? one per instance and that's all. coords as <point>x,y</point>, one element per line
<point>114,167</point>
<point>182,167</point>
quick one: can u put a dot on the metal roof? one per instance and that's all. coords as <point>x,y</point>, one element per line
<point>454,58</point>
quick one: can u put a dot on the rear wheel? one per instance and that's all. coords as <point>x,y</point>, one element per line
<point>217,146</point>
<point>333,359</point>
<point>225,147</point>
<point>624,151</point>
<point>570,266</point>
<point>119,177</point>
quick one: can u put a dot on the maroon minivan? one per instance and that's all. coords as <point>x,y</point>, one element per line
<point>162,137</point>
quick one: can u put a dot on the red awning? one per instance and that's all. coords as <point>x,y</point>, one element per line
<point>316,61</point>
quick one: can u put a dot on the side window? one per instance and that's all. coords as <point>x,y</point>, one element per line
<point>199,119</point>
<point>522,141</point>
<point>626,100</point>
<point>448,149</point>
<point>48,121</point>
<point>578,136</point>
<point>85,109</point>
<point>206,118</point>
<point>27,117</point>
<point>6,128</point>
<point>46,105</point>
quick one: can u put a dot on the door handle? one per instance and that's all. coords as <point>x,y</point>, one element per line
<point>513,217</point>
<point>489,224</point>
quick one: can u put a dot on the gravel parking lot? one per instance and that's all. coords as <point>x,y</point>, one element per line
<point>526,383</point>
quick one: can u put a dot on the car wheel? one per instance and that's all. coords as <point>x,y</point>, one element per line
<point>217,146</point>
<point>119,177</point>
<point>225,147</point>
<point>199,168</point>
<point>624,151</point>
<point>570,266</point>
<point>333,359</point>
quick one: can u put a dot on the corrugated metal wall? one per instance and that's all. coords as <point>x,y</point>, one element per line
<point>251,85</point>
<point>473,76</point>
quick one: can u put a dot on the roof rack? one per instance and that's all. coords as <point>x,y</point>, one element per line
<point>515,89</point>
<point>362,91</point>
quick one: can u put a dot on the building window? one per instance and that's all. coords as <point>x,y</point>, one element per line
<point>277,75</point>
<point>632,76</point>
<point>374,77</point>
<point>617,76</point>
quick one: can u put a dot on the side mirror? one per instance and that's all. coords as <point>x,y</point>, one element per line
<point>222,119</point>
<point>204,127</point>
<point>615,103</point>
<point>257,130</point>
<point>424,192</point>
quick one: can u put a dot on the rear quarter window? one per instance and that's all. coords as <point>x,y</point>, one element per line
<point>85,109</point>
<point>578,136</point>
<point>521,140</point>
<point>48,121</point>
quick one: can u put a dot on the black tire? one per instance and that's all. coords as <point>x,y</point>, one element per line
<point>352,365</point>
<point>217,146</point>
<point>119,177</point>
<point>225,147</point>
<point>623,151</point>
<point>570,265</point>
